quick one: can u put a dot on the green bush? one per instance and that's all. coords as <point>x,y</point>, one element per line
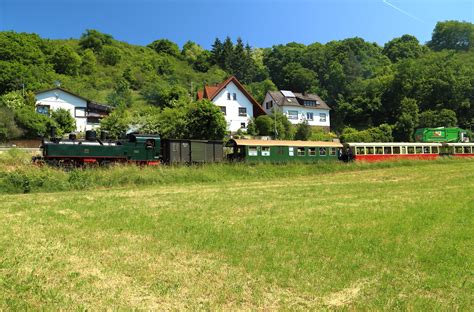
<point>382,133</point>
<point>303,131</point>
<point>34,125</point>
<point>64,121</point>
<point>8,127</point>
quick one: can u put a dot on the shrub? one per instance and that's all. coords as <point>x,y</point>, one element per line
<point>65,122</point>
<point>8,127</point>
<point>303,131</point>
<point>111,55</point>
<point>34,124</point>
<point>264,125</point>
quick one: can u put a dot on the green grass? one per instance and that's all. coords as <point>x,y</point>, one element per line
<point>381,236</point>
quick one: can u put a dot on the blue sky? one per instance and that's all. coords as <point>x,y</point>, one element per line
<point>261,23</point>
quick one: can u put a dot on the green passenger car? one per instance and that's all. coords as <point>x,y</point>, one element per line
<point>277,151</point>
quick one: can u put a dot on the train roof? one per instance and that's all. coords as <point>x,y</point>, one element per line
<point>459,144</point>
<point>243,142</point>
<point>373,144</point>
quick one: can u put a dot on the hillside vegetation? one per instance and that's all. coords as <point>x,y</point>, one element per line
<point>362,240</point>
<point>393,89</point>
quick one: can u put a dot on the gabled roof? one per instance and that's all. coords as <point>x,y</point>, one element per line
<point>210,92</point>
<point>64,90</point>
<point>282,100</point>
<point>90,104</point>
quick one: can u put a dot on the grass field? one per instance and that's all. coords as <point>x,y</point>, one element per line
<point>367,237</point>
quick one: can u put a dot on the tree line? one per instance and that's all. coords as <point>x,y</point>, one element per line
<point>398,87</point>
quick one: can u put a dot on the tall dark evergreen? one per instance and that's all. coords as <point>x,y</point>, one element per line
<point>216,53</point>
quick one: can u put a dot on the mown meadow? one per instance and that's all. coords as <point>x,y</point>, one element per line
<point>387,236</point>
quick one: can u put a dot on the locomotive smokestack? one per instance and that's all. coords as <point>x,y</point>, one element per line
<point>52,132</point>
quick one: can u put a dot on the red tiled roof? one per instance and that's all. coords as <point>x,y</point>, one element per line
<point>210,92</point>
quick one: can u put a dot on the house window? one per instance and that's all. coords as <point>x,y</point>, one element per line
<point>80,112</point>
<point>228,96</point>
<point>253,151</point>
<point>43,109</point>
<point>223,109</point>
<point>242,125</point>
<point>301,151</point>
<point>291,151</point>
<point>292,114</point>
<point>312,151</point>
<point>309,103</point>
<point>269,104</point>
<point>266,151</point>
<point>309,116</point>
<point>242,111</point>
<point>322,117</point>
<point>322,151</point>
<point>235,96</point>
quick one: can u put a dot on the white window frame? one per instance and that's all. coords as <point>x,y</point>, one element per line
<point>293,116</point>
<point>322,117</point>
<point>265,150</point>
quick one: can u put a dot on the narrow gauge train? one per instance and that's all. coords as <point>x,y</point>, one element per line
<point>152,150</point>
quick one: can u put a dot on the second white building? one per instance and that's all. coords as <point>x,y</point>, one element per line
<point>299,107</point>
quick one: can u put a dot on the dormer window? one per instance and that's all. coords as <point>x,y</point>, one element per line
<point>309,103</point>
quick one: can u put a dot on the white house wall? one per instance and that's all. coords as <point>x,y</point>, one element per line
<point>57,99</point>
<point>302,115</point>
<point>232,117</point>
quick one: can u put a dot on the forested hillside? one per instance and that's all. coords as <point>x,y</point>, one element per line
<point>403,85</point>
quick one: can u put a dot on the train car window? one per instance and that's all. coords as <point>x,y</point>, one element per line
<point>322,151</point>
<point>370,150</point>
<point>396,150</point>
<point>266,151</point>
<point>149,144</point>
<point>332,151</point>
<point>312,151</point>
<point>410,150</point>
<point>360,150</point>
<point>434,150</point>
<point>291,151</point>
<point>301,151</point>
<point>426,150</point>
<point>467,150</point>
<point>253,151</point>
<point>387,150</point>
<point>419,150</point>
<point>458,149</point>
<point>378,150</point>
<point>403,149</point>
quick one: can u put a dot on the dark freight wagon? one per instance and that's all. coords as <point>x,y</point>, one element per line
<point>283,151</point>
<point>181,151</point>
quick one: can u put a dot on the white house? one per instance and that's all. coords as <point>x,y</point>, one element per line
<point>298,107</point>
<point>86,113</point>
<point>234,101</point>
